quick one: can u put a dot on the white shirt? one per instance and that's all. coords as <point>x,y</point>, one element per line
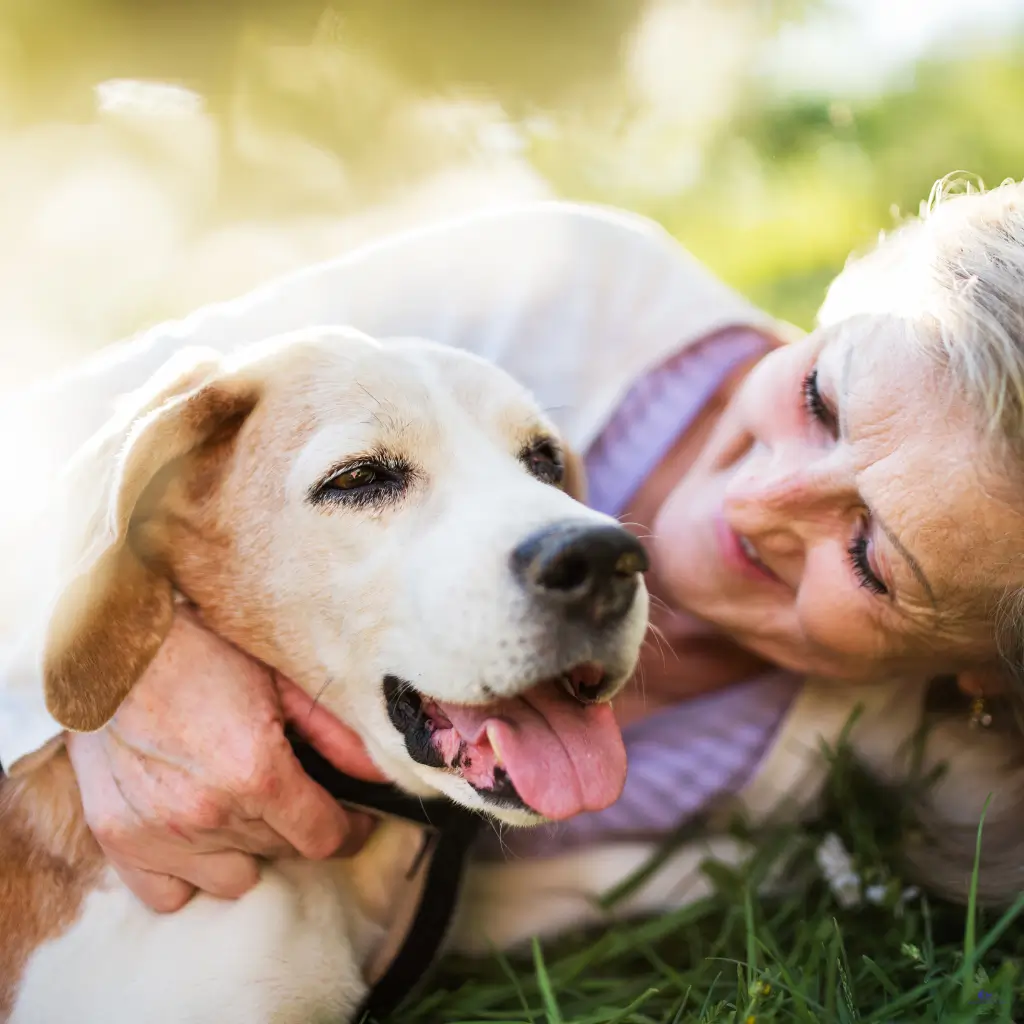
<point>576,302</point>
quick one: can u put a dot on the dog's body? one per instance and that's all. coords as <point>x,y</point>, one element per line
<point>387,525</point>
<point>300,946</point>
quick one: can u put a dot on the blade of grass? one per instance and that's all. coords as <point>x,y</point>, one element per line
<point>677,1016</point>
<point>748,920</point>
<point>879,975</point>
<point>544,984</point>
<point>627,1011</point>
<point>831,970</point>
<point>996,931</point>
<point>967,970</point>
<point>513,978</point>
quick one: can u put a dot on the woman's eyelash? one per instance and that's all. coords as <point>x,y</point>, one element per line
<point>858,552</point>
<point>814,403</point>
<point>858,549</point>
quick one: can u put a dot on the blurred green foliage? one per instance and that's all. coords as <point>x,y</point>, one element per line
<point>789,189</point>
<point>522,52</point>
<point>778,191</point>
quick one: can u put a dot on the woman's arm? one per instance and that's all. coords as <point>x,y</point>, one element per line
<point>549,291</point>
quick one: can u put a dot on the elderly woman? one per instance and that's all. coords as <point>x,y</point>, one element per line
<point>831,521</point>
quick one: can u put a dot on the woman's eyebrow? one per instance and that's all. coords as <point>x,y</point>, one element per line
<point>913,564</point>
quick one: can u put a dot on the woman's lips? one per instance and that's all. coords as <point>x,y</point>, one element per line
<point>739,553</point>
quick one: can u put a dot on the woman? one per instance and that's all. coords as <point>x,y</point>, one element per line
<point>844,507</point>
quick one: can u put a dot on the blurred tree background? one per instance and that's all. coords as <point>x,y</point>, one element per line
<point>772,138</point>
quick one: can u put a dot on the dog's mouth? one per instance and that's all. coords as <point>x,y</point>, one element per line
<point>548,750</point>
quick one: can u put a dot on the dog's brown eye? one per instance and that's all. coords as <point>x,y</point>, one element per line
<point>544,461</point>
<point>374,482</point>
<point>358,476</point>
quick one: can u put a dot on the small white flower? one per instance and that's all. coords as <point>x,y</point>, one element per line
<point>832,855</point>
<point>836,866</point>
<point>876,894</point>
<point>846,888</point>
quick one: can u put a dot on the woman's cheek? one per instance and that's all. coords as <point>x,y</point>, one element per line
<point>835,620</point>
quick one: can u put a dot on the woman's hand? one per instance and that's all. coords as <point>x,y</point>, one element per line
<point>194,778</point>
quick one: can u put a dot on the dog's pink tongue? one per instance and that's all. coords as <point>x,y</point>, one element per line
<point>562,756</point>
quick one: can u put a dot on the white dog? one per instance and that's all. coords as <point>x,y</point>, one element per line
<point>388,525</point>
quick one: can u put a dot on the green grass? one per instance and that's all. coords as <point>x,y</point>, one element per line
<point>738,957</point>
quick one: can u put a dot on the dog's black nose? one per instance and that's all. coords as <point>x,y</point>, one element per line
<point>589,572</point>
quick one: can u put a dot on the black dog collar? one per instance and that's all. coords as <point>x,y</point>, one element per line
<point>454,829</point>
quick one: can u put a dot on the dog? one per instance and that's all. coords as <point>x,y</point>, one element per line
<point>388,523</point>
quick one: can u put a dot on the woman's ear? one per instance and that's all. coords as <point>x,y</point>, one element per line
<point>574,483</point>
<point>111,611</point>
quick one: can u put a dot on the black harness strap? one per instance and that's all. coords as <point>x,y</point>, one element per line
<point>455,829</point>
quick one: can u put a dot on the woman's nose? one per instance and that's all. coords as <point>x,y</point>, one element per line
<point>784,487</point>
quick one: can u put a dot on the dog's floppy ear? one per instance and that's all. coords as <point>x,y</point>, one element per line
<point>111,612</point>
<point>574,482</point>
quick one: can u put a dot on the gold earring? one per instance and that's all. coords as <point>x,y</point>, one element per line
<point>980,718</point>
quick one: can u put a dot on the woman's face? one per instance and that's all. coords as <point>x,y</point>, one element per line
<point>845,518</point>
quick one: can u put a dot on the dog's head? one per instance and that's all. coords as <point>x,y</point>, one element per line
<point>391,526</point>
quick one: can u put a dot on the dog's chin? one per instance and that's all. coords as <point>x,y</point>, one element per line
<point>506,807</point>
<point>548,753</point>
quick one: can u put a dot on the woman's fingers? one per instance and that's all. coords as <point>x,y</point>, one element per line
<point>226,874</point>
<point>331,737</point>
<point>177,808</point>
<point>304,813</point>
<point>161,893</point>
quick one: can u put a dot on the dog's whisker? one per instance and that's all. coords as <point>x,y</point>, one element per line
<point>660,602</point>
<point>405,687</point>
<point>649,646</point>
<point>623,521</point>
<point>423,807</point>
<point>640,684</point>
<point>658,635</point>
<point>390,422</point>
<point>319,694</point>
<point>497,828</point>
<point>658,639</point>
<point>646,534</point>
<point>641,530</point>
<point>369,394</point>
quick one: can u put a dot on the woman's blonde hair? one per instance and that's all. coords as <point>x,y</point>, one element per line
<point>954,278</point>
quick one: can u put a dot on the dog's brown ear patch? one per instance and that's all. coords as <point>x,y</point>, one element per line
<point>574,483</point>
<point>106,628</point>
<point>112,611</point>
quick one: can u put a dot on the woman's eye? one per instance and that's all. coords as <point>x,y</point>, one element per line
<point>544,461</point>
<point>815,405</point>
<point>861,564</point>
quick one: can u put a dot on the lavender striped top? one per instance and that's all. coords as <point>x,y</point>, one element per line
<point>684,758</point>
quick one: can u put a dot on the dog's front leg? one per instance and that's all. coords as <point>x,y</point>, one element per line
<point>506,904</point>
